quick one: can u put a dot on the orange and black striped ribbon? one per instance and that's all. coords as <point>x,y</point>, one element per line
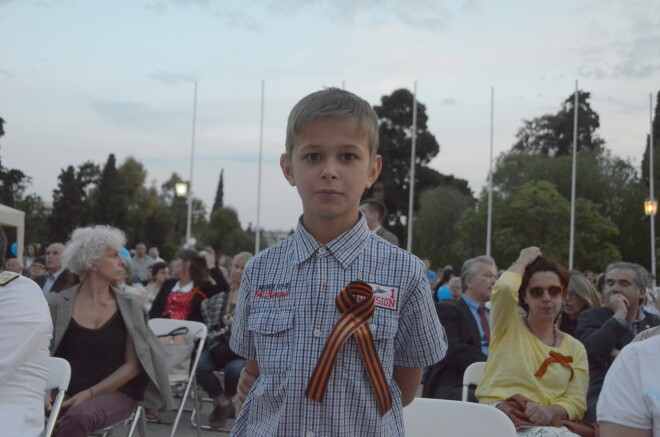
<point>555,358</point>
<point>355,314</point>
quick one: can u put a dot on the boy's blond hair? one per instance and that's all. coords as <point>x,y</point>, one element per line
<point>333,103</point>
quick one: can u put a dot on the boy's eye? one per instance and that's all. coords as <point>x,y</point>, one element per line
<point>313,157</point>
<point>347,156</point>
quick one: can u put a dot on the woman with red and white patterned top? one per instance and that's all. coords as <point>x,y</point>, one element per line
<point>181,298</point>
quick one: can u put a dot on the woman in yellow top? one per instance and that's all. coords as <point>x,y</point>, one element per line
<point>530,356</point>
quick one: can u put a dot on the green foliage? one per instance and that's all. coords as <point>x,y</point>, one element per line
<point>440,209</point>
<point>36,218</point>
<point>395,115</point>
<point>71,208</point>
<point>225,235</point>
<point>536,214</point>
<point>656,151</point>
<point>219,192</point>
<point>609,182</point>
<point>552,134</point>
<point>13,183</point>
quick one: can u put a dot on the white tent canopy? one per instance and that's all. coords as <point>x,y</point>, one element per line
<point>15,218</point>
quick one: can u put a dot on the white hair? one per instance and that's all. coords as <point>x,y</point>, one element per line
<point>87,246</point>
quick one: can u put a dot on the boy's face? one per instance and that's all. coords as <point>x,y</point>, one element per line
<point>331,166</point>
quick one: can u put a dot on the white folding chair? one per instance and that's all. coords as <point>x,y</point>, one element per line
<point>439,417</point>
<point>472,376</point>
<point>137,417</point>
<point>198,331</point>
<point>59,375</point>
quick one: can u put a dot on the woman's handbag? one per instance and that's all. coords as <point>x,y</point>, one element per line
<point>179,347</point>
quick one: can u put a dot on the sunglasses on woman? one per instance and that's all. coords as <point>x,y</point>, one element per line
<point>553,291</point>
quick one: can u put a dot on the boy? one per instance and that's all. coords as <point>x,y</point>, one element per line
<point>333,359</point>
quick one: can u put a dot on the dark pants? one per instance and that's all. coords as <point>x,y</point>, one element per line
<point>210,382</point>
<point>96,413</point>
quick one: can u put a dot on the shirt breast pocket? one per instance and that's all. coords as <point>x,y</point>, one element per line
<point>384,330</point>
<point>273,334</point>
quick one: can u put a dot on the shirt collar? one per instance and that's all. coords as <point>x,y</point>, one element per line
<point>472,304</point>
<point>345,248</point>
<point>189,286</point>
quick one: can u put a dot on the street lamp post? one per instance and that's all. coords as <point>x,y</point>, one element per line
<point>650,209</point>
<point>182,190</point>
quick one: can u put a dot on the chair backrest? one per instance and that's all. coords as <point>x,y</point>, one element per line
<point>59,376</point>
<point>165,326</point>
<point>472,375</point>
<point>439,417</point>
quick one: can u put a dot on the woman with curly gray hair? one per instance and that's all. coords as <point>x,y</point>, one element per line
<point>116,361</point>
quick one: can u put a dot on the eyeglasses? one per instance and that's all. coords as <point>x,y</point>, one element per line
<point>553,291</point>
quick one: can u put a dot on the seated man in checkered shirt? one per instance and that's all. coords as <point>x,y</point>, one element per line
<point>335,322</point>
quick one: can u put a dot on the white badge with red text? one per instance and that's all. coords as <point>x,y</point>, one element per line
<point>387,297</point>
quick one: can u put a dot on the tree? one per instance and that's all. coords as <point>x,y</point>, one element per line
<point>225,234</point>
<point>611,183</point>
<point>219,193</point>
<point>71,208</point>
<point>552,134</point>
<point>656,149</point>
<point>2,126</point>
<point>536,214</point>
<point>36,218</point>
<point>395,115</point>
<point>440,209</point>
<point>107,205</point>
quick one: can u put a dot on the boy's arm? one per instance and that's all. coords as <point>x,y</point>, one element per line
<point>408,380</point>
<point>248,376</point>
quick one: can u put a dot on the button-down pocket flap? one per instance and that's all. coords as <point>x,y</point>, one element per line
<point>269,323</point>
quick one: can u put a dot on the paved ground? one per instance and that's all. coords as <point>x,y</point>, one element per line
<point>185,428</point>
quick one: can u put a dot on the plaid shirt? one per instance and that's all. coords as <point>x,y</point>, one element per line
<point>286,310</point>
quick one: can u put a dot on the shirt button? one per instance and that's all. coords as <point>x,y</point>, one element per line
<point>321,251</point>
<point>317,333</point>
<point>373,327</point>
<point>309,434</point>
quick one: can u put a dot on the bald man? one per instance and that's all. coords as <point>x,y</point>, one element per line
<point>57,277</point>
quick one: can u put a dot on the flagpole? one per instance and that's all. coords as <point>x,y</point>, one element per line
<point>653,210</point>
<point>489,225</point>
<point>412,170</point>
<point>572,231</point>
<point>257,240</point>
<point>192,158</point>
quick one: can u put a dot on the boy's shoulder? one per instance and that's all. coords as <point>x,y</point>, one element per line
<point>274,252</point>
<point>379,246</point>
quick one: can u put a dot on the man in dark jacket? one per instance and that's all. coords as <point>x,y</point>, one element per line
<point>605,331</point>
<point>466,323</point>
<point>57,277</point>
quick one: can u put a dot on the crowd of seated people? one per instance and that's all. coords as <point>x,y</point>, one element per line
<point>99,309</point>
<point>555,344</point>
<point>547,365</point>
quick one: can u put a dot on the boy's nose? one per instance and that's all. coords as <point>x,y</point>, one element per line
<point>329,170</point>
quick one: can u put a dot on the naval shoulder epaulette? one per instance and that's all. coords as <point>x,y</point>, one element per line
<point>7,277</point>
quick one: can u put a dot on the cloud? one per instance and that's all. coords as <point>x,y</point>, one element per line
<point>136,115</point>
<point>171,78</point>
<point>5,73</point>
<point>448,102</point>
<point>234,17</point>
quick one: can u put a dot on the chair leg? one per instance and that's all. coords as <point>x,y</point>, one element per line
<point>137,415</point>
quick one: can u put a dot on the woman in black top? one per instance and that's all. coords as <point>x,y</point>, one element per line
<point>99,330</point>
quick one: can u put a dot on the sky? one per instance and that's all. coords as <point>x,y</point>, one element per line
<point>82,79</point>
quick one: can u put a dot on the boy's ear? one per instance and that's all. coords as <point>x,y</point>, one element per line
<point>285,164</point>
<point>374,171</point>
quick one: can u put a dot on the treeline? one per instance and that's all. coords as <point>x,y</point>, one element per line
<point>531,204</point>
<point>118,196</point>
<point>531,201</point>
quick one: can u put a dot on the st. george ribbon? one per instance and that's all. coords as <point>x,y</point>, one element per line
<point>356,304</point>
